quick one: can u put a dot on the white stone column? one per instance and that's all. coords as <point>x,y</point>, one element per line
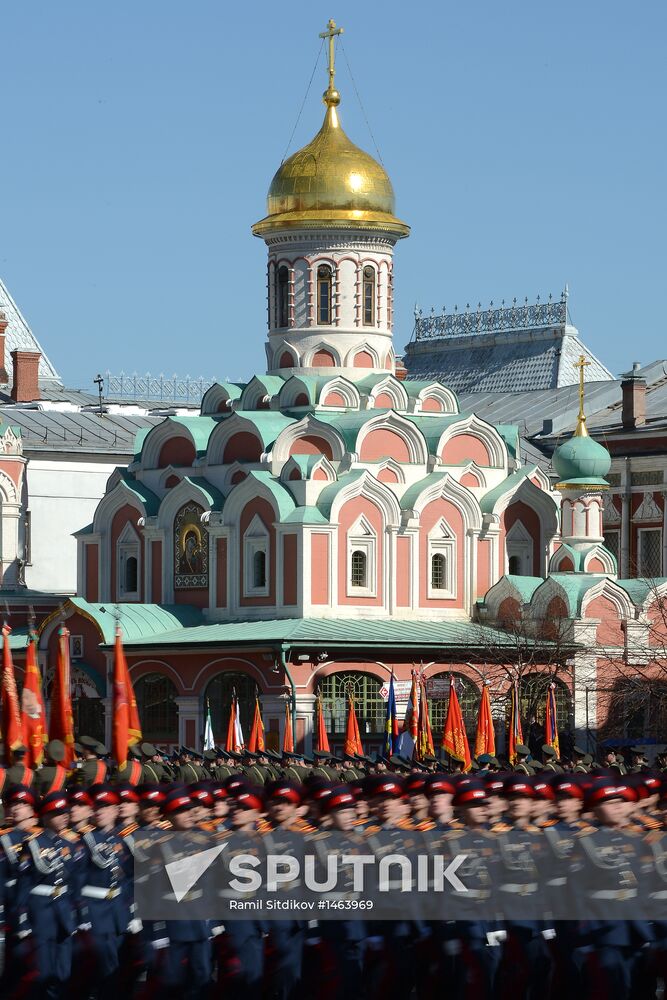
<point>305,709</point>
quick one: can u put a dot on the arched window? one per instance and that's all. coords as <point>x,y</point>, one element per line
<point>515,566</point>
<point>437,690</point>
<point>324,298</point>
<point>259,569</point>
<point>282,296</point>
<point>158,711</point>
<point>131,574</point>
<point>438,571</point>
<point>335,691</point>
<point>219,693</point>
<point>369,296</point>
<point>359,569</point>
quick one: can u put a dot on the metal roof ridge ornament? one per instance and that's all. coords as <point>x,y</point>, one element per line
<point>503,319</point>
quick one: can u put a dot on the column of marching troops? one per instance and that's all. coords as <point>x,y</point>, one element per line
<point>69,839</point>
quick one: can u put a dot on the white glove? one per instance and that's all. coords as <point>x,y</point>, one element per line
<point>85,927</point>
<point>160,943</point>
<point>135,925</point>
<point>22,935</point>
<point>494,938</point>
<point>215,931</point>
<point>549,933</point>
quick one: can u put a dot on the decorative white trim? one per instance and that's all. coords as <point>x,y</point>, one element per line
<point>612,514</point>
<point>519,544</point>
<point>404,428</point>
<point>128,546</point>
<point>478,428</point>
<point>307,427</point>
<point>390,386</point>
<point>255,542</point>
<point>362,538</point>
<point>344,388</point>
<point>648,509</point>
<point>442,542</point>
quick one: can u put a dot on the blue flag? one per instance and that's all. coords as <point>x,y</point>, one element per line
<point>391,725</point>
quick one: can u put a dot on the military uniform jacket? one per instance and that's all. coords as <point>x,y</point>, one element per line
<point>104,864</point>
<point>190,773</point>
<point>93,772</point>
<point>47,885</point>
<point>153,773</point>
<point>50,778</point>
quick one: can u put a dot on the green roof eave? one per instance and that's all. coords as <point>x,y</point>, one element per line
<point>490,499</point>
<point>198,427</point>
<point>268,423</point>
<point>639,589</point>
<point>87,530</point>
<point>149,500</point>
<point>414,386</point>
<point>510,435</point>
<point>137,621</point>
<point>284,499</point>
<point>214,497</point>
<point>18,639</point>
<point>329,493</point>
<point>583,483</point>
<point>576,586</point>
<point>433,426</point>
<point>139,439</point>
<point>413,492</point>
<point>347,424</point>
<point>525,585</point>
<point>305,515</point>
<point>451,634</point>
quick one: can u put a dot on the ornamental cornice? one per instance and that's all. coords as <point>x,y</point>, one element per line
<point>322,241</point>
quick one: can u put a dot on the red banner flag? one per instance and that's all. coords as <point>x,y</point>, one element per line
<point>12,730</point>
<point>454,739</point>
<point>411,720</point>
<point>33,714</point>
<point>126,728</point>
<point>352,736</point>
<point>235,741</point>
<point>62,723</point>
<point>550,721</point>
<point>256,741</point>
<point>516,732</point>
<point>321,735</point>
<point>485,738</point>
<point>288,735</point>
<point>425,746</point>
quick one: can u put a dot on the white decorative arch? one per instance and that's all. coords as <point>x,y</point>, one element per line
<point>292,389</point>
<point>230,472</point>
<point>8,493</point>
<point>158,436</point>
<point>255,392</point>
<point>445,487</point>
<point>609,589</point>
<point>185,492</point>
<point>112,502</point>
<point>322,464</point>
<point>254,486</point>
<point>540,501</point>
<point>405,429</point>
<point>445,397</point>
<point>322,345</point>
<point>519,544</point>
<point>395,467</point>
<point>390,386</point>
<point>598,551</point>
<point>499,592</point>
<point>308,426</point>
<point>366,485</point>
<point>215,397</point>
<point>223,433</point>
<point>656,592</point>
<point>476,471</point>
<point>357,349</point>
<point>544,595</point>
<point>478,428</point>
<point>285,347</point>
<point>344,388</point>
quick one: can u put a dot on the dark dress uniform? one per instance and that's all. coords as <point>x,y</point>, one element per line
<point>104,901</point>
<point>46,906</point>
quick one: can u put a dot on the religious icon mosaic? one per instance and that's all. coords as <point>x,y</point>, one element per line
<point>190,549</point>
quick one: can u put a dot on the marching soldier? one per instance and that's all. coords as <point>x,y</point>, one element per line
<point>52,776</point>
<point>550,760</point>
<point>580,765</point>
<point>19,773</point>
<point>523,765</point>
<point>93,770</point>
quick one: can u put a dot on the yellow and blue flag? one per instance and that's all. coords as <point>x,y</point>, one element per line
<point>391,725</point>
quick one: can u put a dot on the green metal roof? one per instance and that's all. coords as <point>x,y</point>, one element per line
<point>284,499</point>
<point>199,427</point>
<point>268,423</point>
<point>347,424</point>
<point>272,384</point>
<point>576,586</point>
<point>578,556</point>
<point>215,498</point>
<point>305,464</point>
<point>330,492</point>
<point>490,499</point>
<point>510,435</point>
<point>638,590</point>
<point>138,621</point>
<point>307,382</point>
<point>149,501</point>
<point>305,515</point>
<point>412,494</point>
<point>526,585</point>
<point>433,427</point>
<point>18,639</point>
<point>358,633</point>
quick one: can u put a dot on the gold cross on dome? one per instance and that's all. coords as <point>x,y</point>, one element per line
<point>331,33</point>
<point>582,363</point>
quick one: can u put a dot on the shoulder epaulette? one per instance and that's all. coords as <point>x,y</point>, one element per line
<point>129,829</point>
<point>71,835</point>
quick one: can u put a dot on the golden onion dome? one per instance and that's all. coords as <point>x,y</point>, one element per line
<point>332,183</point>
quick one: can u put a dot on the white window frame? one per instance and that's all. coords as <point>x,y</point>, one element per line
<point>362,538</point>
<point>518,542</point>
<point>640,568</point>
<point>442,541</point>
<point>127,546</point>
<point>256,539</point>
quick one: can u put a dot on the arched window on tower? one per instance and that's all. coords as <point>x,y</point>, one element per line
<point>369,296</point>
<point>282,296</point>
<point>438,571</point>
<point>259,569</point>
<point>358,569</point>
<point>324,296</point>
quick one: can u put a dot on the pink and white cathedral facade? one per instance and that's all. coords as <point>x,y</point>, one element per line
<point>325,524</point>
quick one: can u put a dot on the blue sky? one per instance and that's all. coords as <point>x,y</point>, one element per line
<point>526,143</point>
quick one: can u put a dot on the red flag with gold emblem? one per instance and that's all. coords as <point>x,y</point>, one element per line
<point>425,746</point>
<point>516,732</point>
<point>288,735</point>
<point>12,730</point>
<point>33,714</point>
<point>411,720</point>
<point>62,722</point>
<point>485,738</point>
<point>256,741</point>
<point>551,721</point>
<point>454,739</point>
<point>352,736</point>
<point>321,735</point>
<point>235,742</point>
<point>126,729</point>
